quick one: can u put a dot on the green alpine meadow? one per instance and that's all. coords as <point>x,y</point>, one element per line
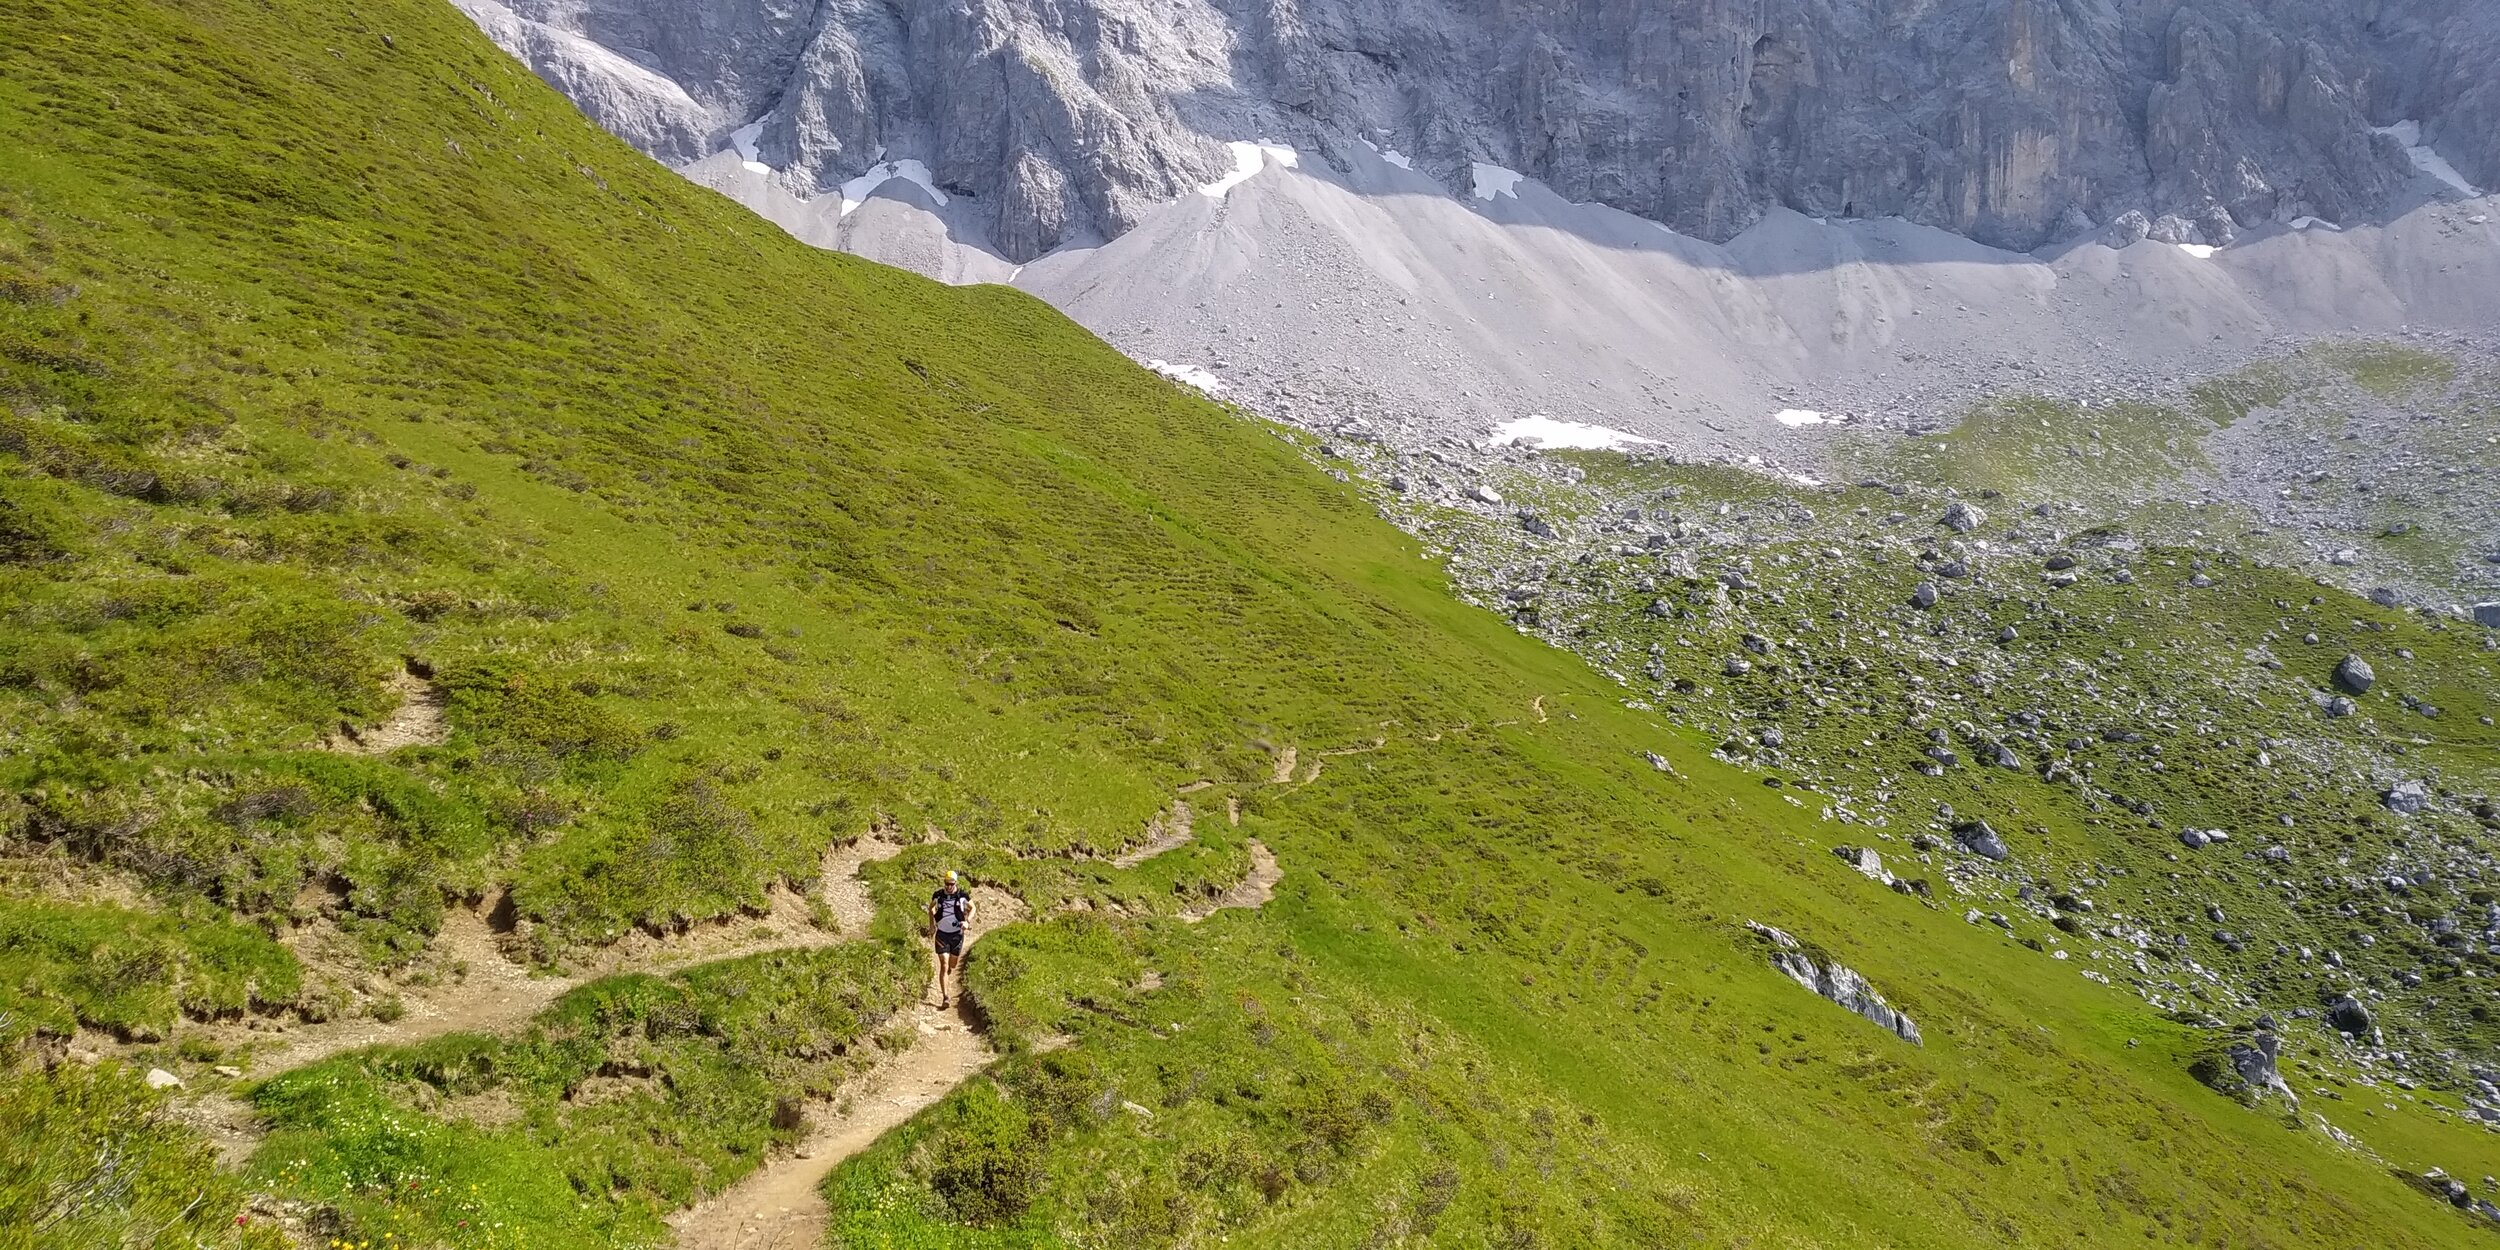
<point>499,645</point>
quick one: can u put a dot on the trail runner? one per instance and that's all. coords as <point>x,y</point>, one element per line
<point>950,912</point>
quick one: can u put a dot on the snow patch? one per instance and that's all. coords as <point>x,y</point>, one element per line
<point>1795,418</point>
<point>2409,133</point>
<point>1190,374</point>
<point>856,191</point>
<point>1248,160</point>
<point>1493,180</point>
<point>1391,155</point>
<point>1548,434</point>
<point>743,139</point>
<point>2314,223</point>
<point>2201,251</point>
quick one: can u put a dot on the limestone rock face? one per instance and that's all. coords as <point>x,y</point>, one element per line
<point>2015,122</point>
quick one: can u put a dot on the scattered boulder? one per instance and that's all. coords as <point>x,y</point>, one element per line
<point>2407,798</point>
<point>1923,596</point>
<point>1484,494</point>
<point>2245,1068</point>
<point>2127,229</point>
<point>1835,981</point>
<point>1866,861</point>
<point>2487,615</point>
<point>2347,1015</point>
<point>2172,228</point>
<point>2354,675</point>
<point>159,1078</point>
<point>1981,839</point>
<point>1962,518</point>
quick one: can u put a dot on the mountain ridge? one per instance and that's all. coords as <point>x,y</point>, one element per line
<point>2015,124</point>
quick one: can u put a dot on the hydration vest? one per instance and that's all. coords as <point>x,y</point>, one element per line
<point>950,910</point>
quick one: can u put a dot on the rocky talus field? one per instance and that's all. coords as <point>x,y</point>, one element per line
<point>498,643</point>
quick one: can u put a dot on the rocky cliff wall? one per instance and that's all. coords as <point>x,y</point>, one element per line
<point>2015,122</point>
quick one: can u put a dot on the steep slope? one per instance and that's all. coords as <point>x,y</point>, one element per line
<point>342,355</point>
<point>1327,273</point>
<point>1365,297</point>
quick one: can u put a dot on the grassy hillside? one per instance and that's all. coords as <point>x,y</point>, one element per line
<point>342,366</point>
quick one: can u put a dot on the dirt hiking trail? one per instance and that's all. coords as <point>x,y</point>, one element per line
<point>493,993</point>
<point>418,721</point>
<point>1163,833</point>
<point>483,989</point>
<point>777,1205</point>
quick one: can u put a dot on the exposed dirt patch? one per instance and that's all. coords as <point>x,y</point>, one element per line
<point>992,907</point>
<point>1253,890</point>
<point>1167,831</point>
<point>493,1108</point>
<point>225,1120</point>
<point>844,892</point>
<point>418,721</point>
<point>591,1091</point>
<point>1286,759</point>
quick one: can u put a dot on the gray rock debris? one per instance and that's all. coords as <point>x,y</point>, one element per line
<point>1835,981</point>
<point>2407,798</point>
<point>1962,518</point>
<point>1866,861</point>
<point>2246,1068</point>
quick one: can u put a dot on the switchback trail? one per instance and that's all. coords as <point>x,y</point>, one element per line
<point>495,993</point>
<point>777,1207</point>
